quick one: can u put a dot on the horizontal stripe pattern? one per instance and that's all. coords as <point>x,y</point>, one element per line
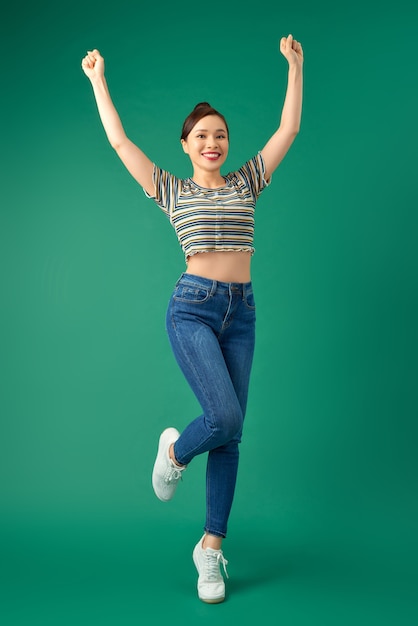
<point>210,220</point>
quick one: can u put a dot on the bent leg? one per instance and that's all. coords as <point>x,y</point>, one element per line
<point>200,358</point>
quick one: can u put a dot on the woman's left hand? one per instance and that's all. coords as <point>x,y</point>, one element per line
<point>291,50</point>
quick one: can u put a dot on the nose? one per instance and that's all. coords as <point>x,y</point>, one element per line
<point>212,142</point>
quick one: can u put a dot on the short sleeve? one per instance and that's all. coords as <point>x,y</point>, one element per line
<point>253,172</point>
<point>166,188</point>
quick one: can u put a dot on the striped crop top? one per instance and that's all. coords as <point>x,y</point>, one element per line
<point>211,220</point>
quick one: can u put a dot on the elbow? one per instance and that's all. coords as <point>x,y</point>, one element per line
<point>290,130</point>
<point>117,139</point>
<point>115,144</point>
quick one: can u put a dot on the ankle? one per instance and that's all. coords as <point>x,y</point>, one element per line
<point>172,457</point>
<point>211,541</point>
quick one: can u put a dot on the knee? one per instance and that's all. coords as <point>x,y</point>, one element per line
<point>230,424</point>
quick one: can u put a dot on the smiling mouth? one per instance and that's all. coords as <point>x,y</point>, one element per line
<point>212,156</point>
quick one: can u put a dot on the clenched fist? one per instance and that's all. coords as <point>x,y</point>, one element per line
<point>93,64</point>
<point>291,50</point>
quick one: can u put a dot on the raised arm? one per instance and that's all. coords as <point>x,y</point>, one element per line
<point>278,145</point>
<point>136,162</point>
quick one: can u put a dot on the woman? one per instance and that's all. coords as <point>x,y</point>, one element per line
<point>211,314</point>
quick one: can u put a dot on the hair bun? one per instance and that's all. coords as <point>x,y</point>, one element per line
<point>202,105</point>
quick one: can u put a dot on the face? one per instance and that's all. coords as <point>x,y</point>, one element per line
<point>207,143</point>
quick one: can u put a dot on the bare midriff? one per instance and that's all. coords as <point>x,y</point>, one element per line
<point>226,267</point>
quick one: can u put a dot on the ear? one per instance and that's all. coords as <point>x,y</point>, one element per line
<point>184,144</point>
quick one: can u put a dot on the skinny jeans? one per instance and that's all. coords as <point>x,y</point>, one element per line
<point>211,327</point>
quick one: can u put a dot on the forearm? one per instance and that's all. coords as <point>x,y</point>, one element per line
<point>292,107</point>
<point>108,114</point>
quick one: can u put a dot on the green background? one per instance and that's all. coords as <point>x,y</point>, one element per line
<point>324,526</point>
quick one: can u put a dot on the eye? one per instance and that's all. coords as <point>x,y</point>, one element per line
<point>200,136</point>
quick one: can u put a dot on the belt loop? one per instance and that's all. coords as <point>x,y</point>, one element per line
<point>214,287</point>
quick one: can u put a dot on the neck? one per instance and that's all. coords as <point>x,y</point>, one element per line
<point>210,180</point>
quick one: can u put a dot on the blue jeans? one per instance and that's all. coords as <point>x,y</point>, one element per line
<point>211,326</point>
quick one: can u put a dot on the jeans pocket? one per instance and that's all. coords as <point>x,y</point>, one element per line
<point>190,293</point>
<point>249,300</point>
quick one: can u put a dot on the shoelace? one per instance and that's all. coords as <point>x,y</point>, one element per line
<point>172,474</point>
<point>212,564</point>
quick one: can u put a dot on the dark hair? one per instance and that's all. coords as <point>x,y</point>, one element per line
<point>201,110</point>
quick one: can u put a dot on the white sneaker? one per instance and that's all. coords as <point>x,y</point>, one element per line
<point>166,474</point>
<point>210,585</point>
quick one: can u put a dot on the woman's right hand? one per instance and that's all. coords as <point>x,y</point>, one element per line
<point>93,64</point>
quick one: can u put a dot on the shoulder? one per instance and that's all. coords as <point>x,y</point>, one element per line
<point>255,164</point>
<point>251,174</point>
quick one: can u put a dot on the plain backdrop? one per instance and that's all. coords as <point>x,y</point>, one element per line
<point>324,525</point>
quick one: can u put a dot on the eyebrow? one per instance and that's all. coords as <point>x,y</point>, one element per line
<point>205,130</point>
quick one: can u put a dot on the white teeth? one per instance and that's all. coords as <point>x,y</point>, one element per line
<point>211,154</point>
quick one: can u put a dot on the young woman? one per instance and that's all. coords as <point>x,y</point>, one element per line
<point>211,314</point>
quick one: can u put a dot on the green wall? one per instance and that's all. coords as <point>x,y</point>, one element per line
<point>324,528</point>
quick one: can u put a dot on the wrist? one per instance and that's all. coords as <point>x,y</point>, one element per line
<point>294,72</point>
<point>98,81</point>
